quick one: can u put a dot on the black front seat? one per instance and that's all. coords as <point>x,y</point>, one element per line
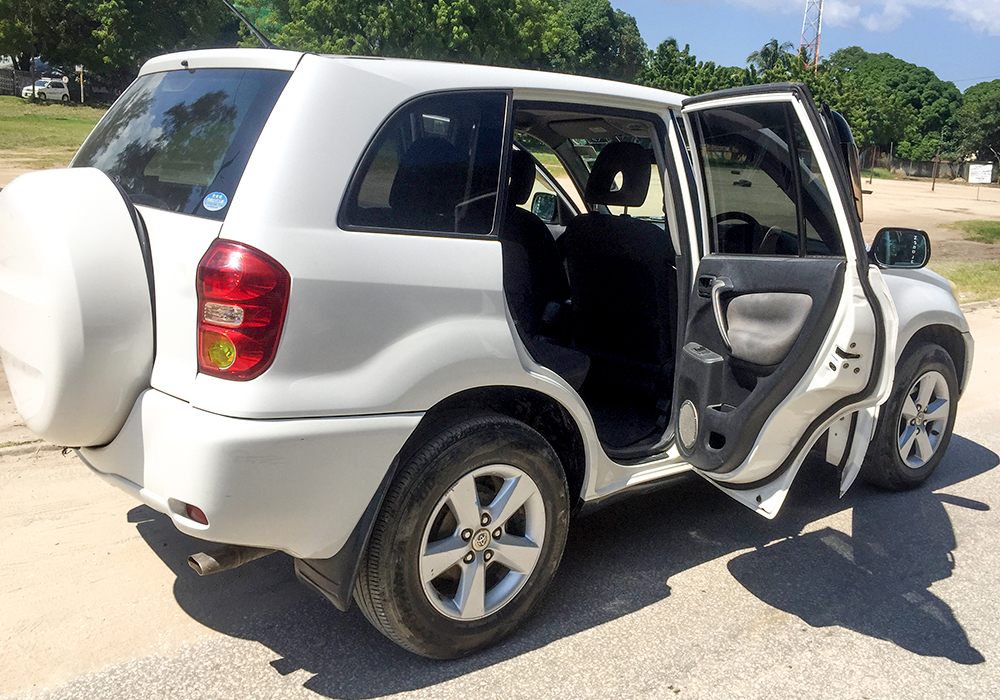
<point>623,280</point>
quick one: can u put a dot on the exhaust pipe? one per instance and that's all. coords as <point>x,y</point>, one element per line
<point>225,558</point>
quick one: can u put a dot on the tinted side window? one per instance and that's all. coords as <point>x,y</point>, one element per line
<point>434,166</point>
<point>765,192</point>
<point>180,141</point>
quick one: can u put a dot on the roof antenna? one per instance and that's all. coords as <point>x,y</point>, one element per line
<point>265,42</point>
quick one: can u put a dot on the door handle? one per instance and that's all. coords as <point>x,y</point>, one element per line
<point>705,283</point>
<point>721,285</point>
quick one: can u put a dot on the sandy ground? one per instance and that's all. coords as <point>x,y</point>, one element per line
<point>912,203</point>
<point>14,163</point>
<point>66,531</point>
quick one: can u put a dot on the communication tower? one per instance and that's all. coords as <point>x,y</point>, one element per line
<point>812,23</point>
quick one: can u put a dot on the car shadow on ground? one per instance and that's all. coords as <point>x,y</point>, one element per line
<point>873,582</point>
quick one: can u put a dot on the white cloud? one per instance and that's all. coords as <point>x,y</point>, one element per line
<point>892,15</point>
<point>983,15</point>
<point>887,15</point>
<point>840,14</point>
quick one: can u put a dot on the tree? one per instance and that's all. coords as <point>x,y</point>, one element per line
<point>772,55</point>
<point>978,122</point>
<point>504,32</point>
<point>112,38</point>
<point>890,85</point>
<point>129,32</point>
<point>599,41</point>
<point>30,28</point>
<point>847,59</point>
<point>673,68</point>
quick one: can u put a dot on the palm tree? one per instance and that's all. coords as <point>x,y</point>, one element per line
<point>771,55</point>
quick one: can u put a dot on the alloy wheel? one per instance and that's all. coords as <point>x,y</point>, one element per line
<point>923,419</point>
<point>482,542</point>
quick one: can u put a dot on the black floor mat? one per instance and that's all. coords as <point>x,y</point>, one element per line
<point>620,425</point>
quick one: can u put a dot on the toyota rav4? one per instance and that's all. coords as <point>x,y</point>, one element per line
<point>402,327</point>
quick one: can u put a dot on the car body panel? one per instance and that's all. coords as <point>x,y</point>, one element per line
<point>923,299</point>
<point>177,243</point>
<point>299,485</point>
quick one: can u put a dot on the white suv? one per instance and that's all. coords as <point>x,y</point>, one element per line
<point>47,89</point>
<point>330,323</point>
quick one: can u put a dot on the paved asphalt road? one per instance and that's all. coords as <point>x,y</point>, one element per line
<point>682,593</point>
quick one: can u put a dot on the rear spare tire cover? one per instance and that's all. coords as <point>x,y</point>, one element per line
<point>76,320</point>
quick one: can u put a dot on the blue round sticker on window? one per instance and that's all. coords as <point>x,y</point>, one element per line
<point>214,201</point>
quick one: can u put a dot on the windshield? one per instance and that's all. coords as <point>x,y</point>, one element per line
<point>41,83</point>
<point>179,140</point>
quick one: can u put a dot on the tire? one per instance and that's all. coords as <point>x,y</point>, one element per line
<point>65,98</point>
<point>42,96</point>
<point>435,578</point>
<point>910,441</point>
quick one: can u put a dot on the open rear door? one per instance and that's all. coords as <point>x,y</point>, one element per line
<point>788,328</point>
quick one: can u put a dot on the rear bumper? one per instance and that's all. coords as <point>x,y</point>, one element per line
<point>298,485</point>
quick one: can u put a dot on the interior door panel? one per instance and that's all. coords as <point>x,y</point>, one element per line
<point>763,326</point>
<point>777,312</point>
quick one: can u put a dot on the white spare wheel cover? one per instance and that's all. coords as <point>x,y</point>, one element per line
<point>76,323</point>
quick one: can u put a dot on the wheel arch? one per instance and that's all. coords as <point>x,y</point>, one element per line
<point>535,409</point>
<point>334,578</point>
<point>949,338</point>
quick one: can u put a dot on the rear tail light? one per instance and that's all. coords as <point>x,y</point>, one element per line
<point>242,298</point>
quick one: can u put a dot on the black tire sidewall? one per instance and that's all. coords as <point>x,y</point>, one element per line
<point>433,471</point>
<point>887,468</point>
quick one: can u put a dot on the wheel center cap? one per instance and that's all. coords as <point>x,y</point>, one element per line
<point>481,540</point>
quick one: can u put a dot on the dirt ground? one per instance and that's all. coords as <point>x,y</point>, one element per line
<point>66,530</point>
<point>14,163</point>
<point>911,203</point>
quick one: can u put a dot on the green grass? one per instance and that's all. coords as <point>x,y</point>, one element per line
<point>880,174</point>
<point>551,163</point>
<point>24,124</point>
<point>36,135</point>
<point>976,281</point>
<point>979,230</point>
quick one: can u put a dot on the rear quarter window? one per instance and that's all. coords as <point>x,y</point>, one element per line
<point>433,167</point>
<point>179,141</point>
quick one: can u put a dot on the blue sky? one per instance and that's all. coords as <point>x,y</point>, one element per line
<point>957,39</point>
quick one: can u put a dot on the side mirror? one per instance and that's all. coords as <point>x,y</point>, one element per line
<point>901,248</point>
<point>543,205</point>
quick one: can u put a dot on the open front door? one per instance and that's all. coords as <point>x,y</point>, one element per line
<point>788,327</point>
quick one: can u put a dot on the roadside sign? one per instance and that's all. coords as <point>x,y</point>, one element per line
<point>79,68</point>
<point>980,173</point>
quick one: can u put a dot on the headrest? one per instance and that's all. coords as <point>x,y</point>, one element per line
<point>522,176</point>
<point>430,178</point>
<point>629,159</point>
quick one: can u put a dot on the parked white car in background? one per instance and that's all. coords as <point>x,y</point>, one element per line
<point>402,328</point>
<point>47,89</point>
